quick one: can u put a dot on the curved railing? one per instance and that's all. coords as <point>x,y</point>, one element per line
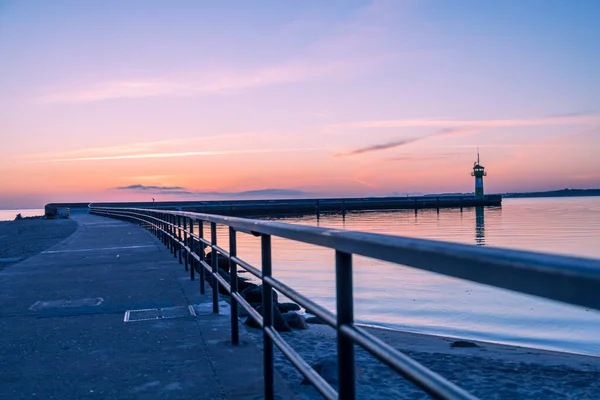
<point>569,279</point>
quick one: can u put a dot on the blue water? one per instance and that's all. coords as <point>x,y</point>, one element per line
<point>409,299</point>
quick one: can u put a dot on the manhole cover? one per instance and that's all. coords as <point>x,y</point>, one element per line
<point>151,314</point>
<point>49,304</point>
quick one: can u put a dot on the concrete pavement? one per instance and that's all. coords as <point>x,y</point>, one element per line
<point>63,334</point>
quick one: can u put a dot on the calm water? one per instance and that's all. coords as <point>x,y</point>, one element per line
<point>9,215</point>
<point>405,298</point>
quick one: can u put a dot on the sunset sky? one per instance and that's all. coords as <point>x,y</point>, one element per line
<point>129,100</point>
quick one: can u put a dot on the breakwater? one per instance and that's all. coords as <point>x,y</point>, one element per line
<point>302,206</point>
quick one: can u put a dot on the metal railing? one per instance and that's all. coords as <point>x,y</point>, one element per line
<point>569,279</point>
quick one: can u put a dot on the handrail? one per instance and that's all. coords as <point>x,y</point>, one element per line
<point>569,279</point>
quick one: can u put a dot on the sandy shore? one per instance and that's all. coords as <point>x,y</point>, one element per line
<point>22,239</point>
<point>489,371</point>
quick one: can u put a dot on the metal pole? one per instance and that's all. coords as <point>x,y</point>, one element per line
<point>173,230</point>
<point>193,262</point>
<point>178,237</point>
<point>202,256</point>
<point>163,226</point>
<point>170,230</point>
<point>267,306</point>
<point>235,337</point>
<point>215,282</point>
<point>345,316</point>
<point>186,256</point>
<point>318,209</point>
<point>167,231</point>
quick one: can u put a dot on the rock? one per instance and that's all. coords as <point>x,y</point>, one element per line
<point>251,322</point>
<point>242,312</point>
<point>244,284</point>
<point>328,369</point>
<point>315,320</point>
<point>278,321</point>
<point>18,217</point>
<point>295,320</point>
<point>286,307</point>
<point>222,261</point>
<point>225,276</point>
<point>253,295</point>
<point>462,344</point>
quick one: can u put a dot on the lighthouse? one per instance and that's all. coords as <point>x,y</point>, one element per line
<point>478,173</point>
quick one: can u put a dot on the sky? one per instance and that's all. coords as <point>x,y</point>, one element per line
<point>134,100</point>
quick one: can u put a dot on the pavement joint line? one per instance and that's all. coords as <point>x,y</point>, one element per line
<point>100,249</point>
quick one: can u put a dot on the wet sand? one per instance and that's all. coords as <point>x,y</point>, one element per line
<point>488,371</point>
<point>25,238</point>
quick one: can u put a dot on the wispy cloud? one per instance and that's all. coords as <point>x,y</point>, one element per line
<point>207,83</point>
<point>574,119</point>
<point>354,45</point>
<point>179,154</point>
<point>402,142</point>
<point>424,157</point>
<point>141,147</point>
<point>179,190</point>
<point>377,147</point>
<point>465,127</point>
<point>155,189</point>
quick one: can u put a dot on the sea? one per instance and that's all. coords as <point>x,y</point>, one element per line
<point>399,297</point>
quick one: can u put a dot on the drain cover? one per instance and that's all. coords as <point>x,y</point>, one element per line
<point>152,314</point>
<point>49,304</point>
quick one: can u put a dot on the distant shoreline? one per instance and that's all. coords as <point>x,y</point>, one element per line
<point>555,193</point>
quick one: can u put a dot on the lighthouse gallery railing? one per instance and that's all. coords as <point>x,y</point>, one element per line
<point>569,279</point>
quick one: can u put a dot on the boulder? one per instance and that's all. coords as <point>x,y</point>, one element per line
<point>251,322</point>
<point>286,307</point>
<point>462,343</point>
<point>316,320</point>
<point>253,295</point>
<point>242,312</point>
<point>295,320</point>
<point>225,276</point>
<point>244,284</point>
<point>222,261</point>
<point>278,322</point>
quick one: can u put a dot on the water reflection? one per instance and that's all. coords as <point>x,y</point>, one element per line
<point>479,226</point>
<point>407,298</point>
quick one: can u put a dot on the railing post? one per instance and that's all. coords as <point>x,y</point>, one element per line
<point>174,235</point>
<point>163,218</point>
<point>186,256</point>
<point>345,316</point>
<point>167,219</point>
<point>267,306</point>
<point>202,256</point>
<point>192,251</point>
<point>215,268</point>
<point>178,237</point>
<point>235,337</point>
<point>161,221</point>
<point>166,228</point>
<point>173,230</point>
